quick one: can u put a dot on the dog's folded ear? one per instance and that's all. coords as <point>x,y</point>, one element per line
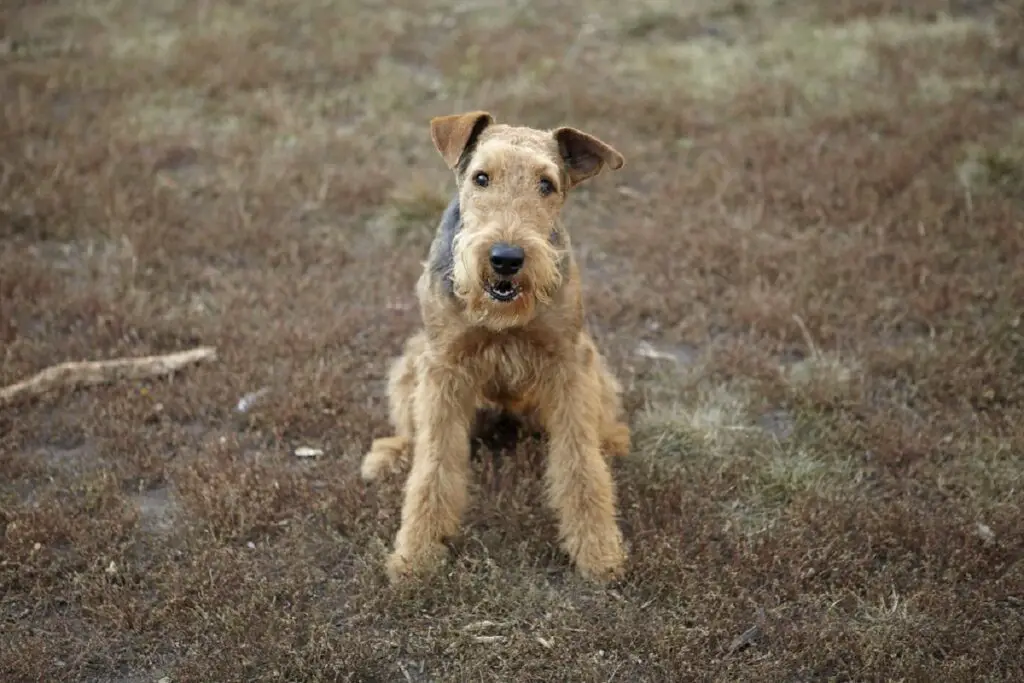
<point>456,134</point>
<point>584,155</point>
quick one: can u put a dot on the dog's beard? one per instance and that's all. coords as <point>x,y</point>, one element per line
<point>499,301</point>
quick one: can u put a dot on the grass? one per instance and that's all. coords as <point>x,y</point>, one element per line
<point>808,277</point>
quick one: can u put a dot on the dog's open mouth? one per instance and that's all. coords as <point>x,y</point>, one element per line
<point>502,290</point>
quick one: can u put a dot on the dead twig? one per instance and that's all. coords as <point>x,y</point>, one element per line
<point>87,373</point>
<point>744,640</point>
<point>808,339</point>
<point>749,637</point>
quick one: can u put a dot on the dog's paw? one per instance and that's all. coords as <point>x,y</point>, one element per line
<point>600,558</point>
<point>405,564</point>
<point>616,442</point>
<point>386,456</point>
<point>373,466</point>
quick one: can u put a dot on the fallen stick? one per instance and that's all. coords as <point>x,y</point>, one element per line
<point>86,373</point>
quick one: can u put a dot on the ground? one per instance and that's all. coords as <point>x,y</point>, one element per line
<point>809,277</point>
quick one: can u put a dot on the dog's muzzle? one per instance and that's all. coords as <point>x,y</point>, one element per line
<point>506,261</point>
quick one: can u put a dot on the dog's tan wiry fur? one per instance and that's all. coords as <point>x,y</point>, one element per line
<point>512,341</point>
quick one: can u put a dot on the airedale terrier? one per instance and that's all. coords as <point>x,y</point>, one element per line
<point>503,328</point>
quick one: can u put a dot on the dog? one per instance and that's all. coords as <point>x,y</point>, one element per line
<point>503,328</point>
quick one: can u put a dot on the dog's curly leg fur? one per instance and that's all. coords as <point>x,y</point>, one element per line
<point>436,489</point>
<point>579,482</point>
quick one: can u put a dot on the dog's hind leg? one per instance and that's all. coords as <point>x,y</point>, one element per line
<point>613,432</point>
<point>390,453</point>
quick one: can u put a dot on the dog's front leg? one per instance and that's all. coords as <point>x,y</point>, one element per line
<point>579,482</point>
<point>436,489</point>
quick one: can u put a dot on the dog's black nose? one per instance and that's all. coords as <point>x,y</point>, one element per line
<point>507,259</point>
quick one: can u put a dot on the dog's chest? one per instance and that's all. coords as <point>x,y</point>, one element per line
<point>508,366</point>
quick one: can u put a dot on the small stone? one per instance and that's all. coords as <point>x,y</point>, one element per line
<point>247,401</point>
<point>307,452</point>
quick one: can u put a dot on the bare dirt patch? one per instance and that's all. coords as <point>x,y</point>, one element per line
<point>808,276</point>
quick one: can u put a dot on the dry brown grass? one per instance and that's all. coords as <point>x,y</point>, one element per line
<point>819,237</point>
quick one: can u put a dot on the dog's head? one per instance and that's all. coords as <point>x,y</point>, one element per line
<point>507,246</point>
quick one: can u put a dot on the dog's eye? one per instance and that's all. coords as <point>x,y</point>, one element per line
<point>481,179</point>
<point>546,187</point>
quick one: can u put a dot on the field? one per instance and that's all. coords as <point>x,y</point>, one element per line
<point>809,277</point>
